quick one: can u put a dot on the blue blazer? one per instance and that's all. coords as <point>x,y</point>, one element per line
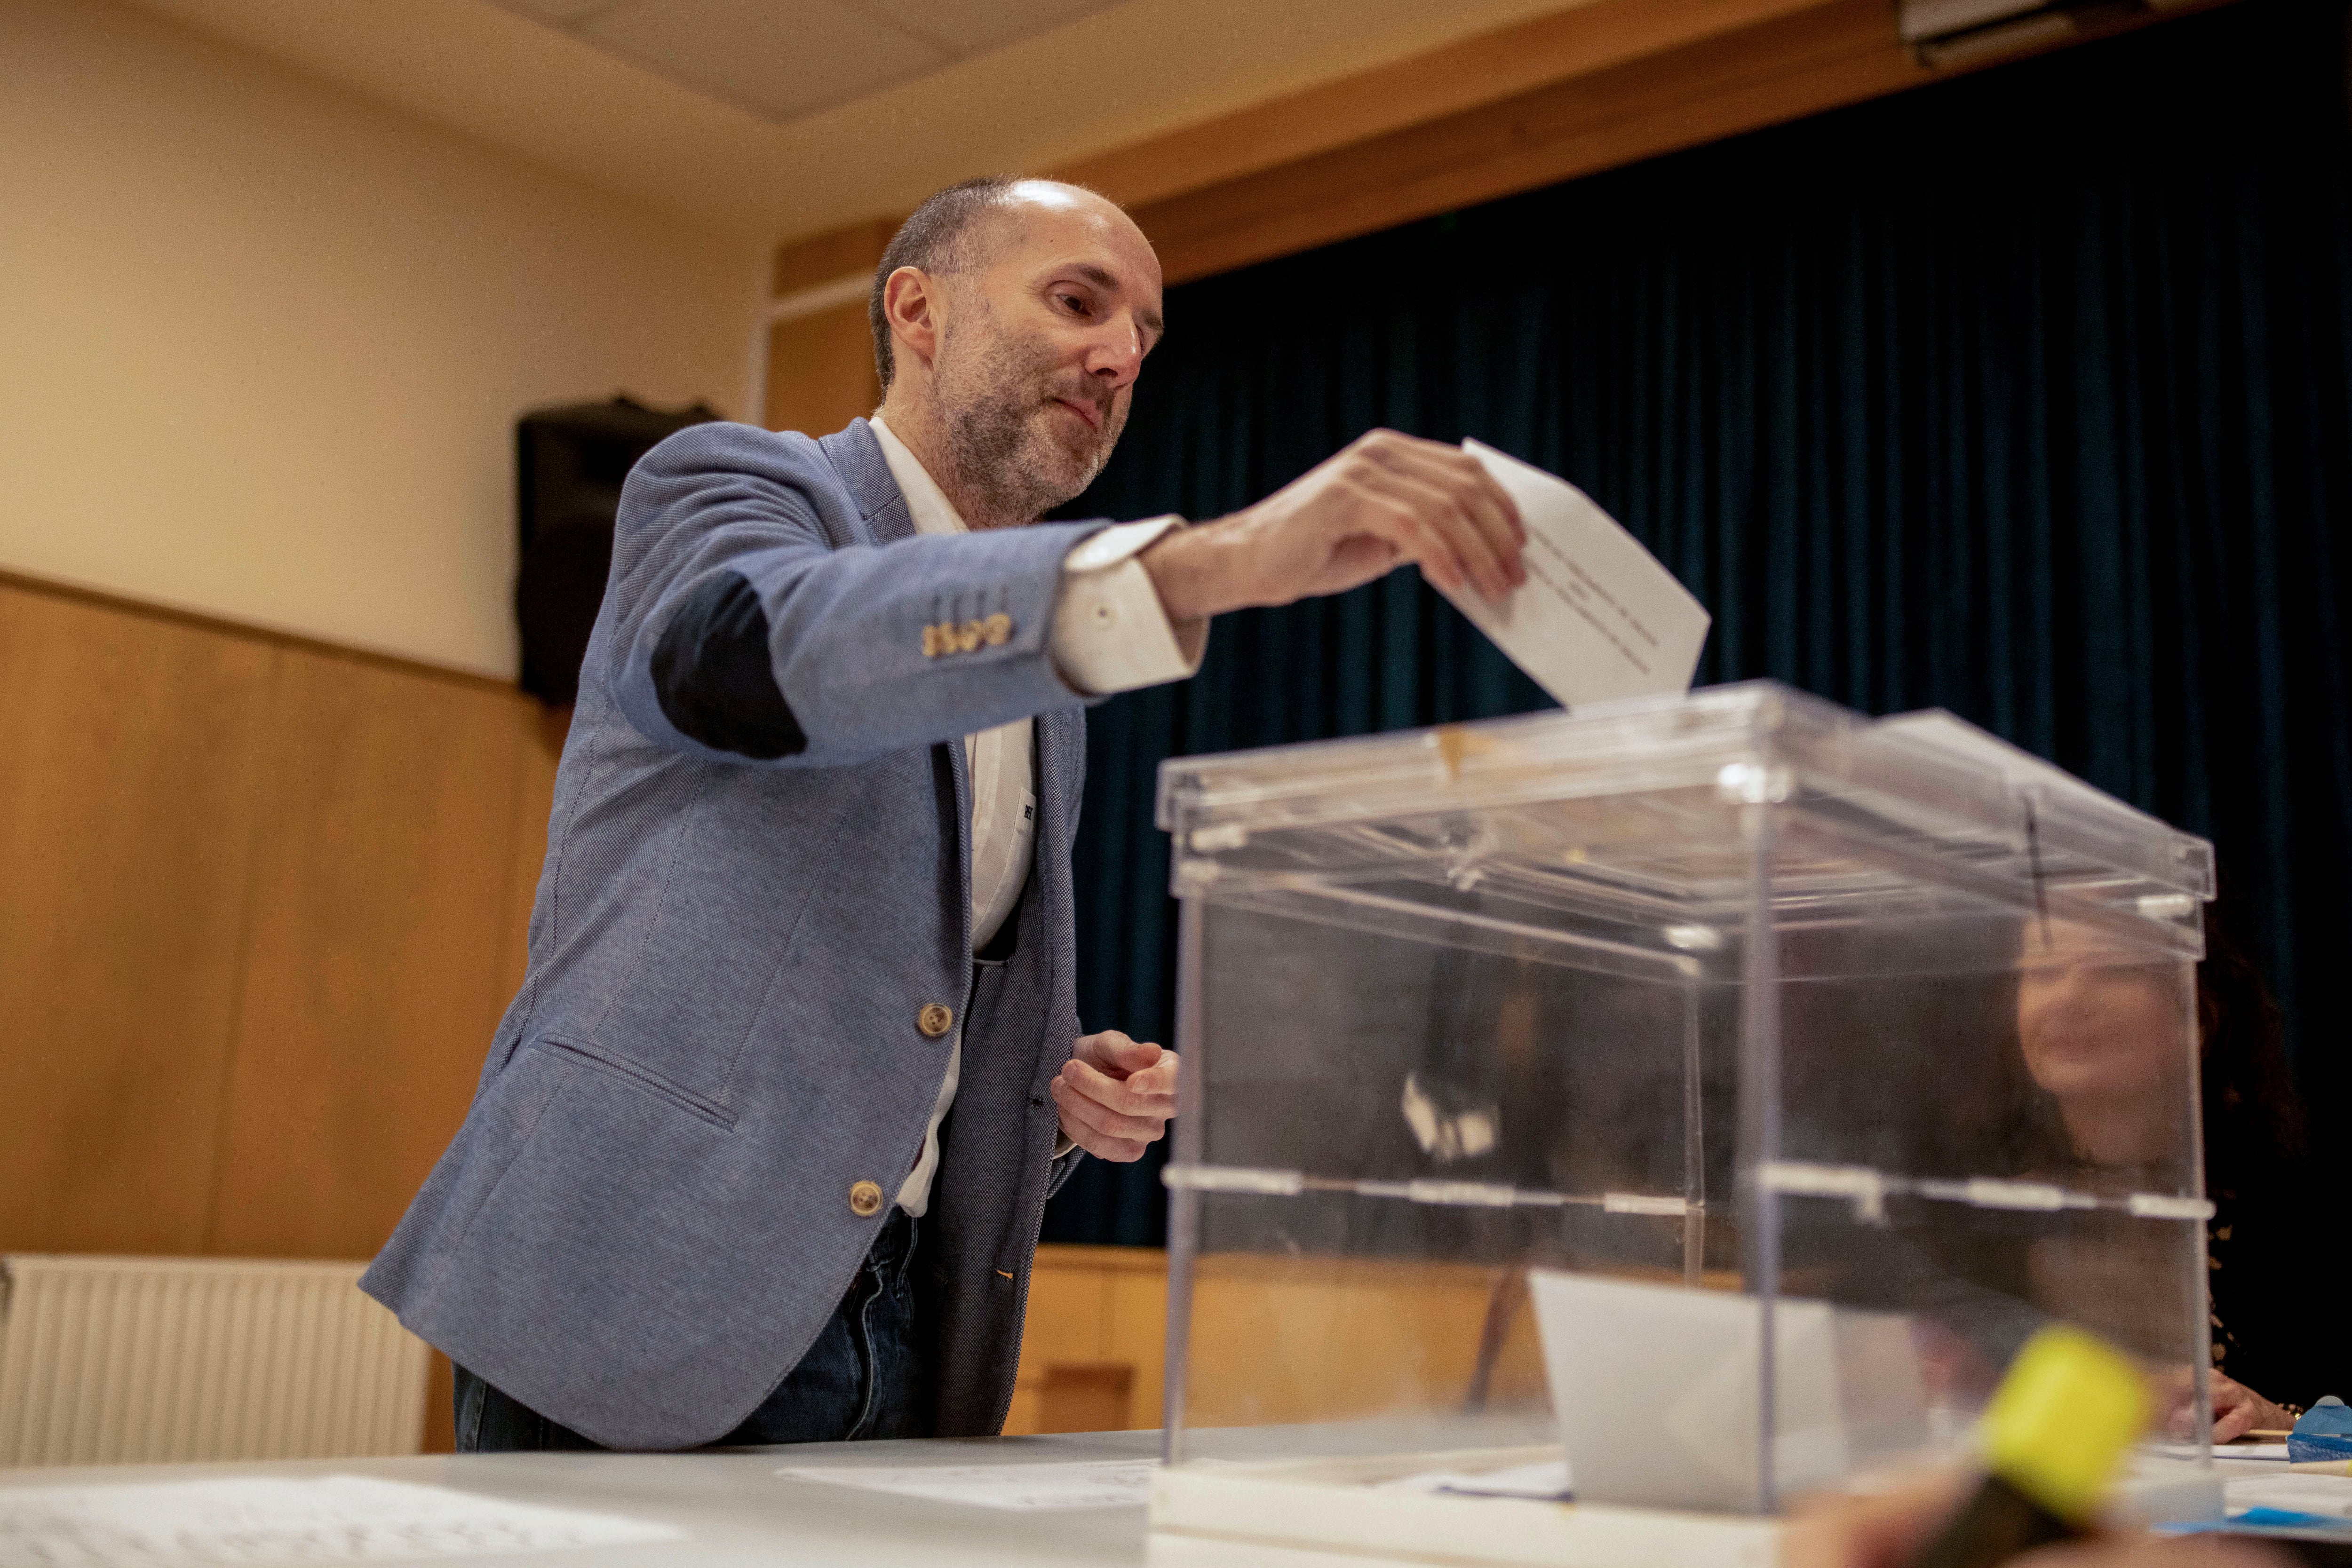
<point>648,1213</point>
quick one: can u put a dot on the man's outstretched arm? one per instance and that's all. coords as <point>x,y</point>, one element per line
<point>722,556</point>
<point>739,633</point>
<point>1382,501</point>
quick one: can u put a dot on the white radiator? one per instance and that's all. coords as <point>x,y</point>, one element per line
<point>132,1360</point>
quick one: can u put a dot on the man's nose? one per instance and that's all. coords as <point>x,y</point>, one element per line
<point>1116,358</point>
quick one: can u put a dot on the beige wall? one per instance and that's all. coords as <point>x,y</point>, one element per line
<point>265,341</point>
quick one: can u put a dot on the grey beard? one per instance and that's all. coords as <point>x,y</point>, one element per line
<point>987,444</point>
<point>992,443</point>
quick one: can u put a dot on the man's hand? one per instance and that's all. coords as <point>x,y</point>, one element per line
<point>1116,1095</point>
<point>1383,500</point>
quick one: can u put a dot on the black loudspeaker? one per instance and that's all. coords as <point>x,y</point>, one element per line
<point>568,465</point>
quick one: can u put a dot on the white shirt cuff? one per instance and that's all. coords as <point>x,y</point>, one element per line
<point>1111,631</point>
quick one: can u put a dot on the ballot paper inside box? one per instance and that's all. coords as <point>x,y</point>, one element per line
<point>1712,1091</point>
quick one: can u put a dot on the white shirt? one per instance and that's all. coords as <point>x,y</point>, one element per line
<point>1110,633</point>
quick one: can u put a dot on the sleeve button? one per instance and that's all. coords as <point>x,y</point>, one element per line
<point>865,1199</point>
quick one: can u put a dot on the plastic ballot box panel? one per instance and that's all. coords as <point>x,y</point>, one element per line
<point>1713,1091</point>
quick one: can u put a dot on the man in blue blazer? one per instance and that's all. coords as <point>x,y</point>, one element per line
<point>761,1146</point>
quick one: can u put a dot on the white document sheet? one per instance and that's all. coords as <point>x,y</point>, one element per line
<point>1546,1480</point>
<point>1657,1389</point>
<point>2264,1452</point>
<point>1598,618</point>
<point>332,1519</point>
<point>1085,1483</point>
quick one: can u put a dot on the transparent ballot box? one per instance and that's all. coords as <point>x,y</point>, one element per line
<point>1687,1104</point>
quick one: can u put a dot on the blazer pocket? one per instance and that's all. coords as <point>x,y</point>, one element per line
<point>643,1078</point>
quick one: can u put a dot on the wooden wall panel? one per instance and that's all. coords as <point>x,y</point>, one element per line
<point>1274,1339</point>
<point>130,755</point>
<point>1465,75</point>
<point>1092,1349</point>
<point>821,371</point>
<point>1136,1331</point>
<point>1277,1339</point>
<point>376,968</point>
<point>1821,58</point>
<point>1638,78</point>
<point>822,259</point>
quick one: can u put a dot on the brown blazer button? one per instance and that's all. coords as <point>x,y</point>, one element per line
<point>865,1201</point>
<point>935,1020</point>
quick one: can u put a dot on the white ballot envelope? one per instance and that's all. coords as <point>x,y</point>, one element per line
<point>1598,618</point>
<point>1658,1393</point>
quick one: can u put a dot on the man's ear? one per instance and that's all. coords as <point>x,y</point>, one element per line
<point>911,305</point>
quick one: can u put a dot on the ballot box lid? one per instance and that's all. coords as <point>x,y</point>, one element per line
<point>1692,808</point>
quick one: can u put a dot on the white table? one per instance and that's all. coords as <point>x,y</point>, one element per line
<point>738,1511</point>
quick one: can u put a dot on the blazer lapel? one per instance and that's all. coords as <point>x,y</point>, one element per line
<point>1061,767</point>
<point>856,456</point>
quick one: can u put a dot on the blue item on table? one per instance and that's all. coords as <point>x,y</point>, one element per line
<point>2281,1518</point>
<point>2324,1433</point>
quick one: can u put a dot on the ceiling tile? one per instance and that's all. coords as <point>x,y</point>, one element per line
<point>975,27</point>
<point>781,61</point>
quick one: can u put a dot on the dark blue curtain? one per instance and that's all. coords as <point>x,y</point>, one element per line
<point>2023,395</point>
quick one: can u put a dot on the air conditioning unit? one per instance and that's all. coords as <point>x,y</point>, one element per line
<point>1943,33</point>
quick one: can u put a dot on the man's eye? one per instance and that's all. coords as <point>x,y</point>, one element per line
<point>1072,301</point>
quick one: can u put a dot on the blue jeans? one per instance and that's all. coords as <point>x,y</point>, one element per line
<point>868,1376</point>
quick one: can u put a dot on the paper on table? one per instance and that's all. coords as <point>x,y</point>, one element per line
<point>1597,618</point>
<point>332,1519</point>
<point>1545,1482</point>
<point>2262,1451</point>
<point>1656,1389</point>
<point>1084,1483</point>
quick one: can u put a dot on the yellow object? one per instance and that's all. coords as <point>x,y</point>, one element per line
<point>2062,1418</point>
<point>2322,1466</point>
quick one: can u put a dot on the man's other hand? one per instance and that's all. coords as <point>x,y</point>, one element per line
<point>1116,1095</point>
<point>1382,501</point>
